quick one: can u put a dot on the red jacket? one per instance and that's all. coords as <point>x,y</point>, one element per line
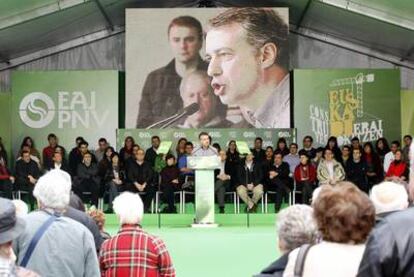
<point>397,169</point>
<point>4,173</point>
<point>311,175</point>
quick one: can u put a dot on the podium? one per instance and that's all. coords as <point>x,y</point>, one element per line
<point>204,189</point>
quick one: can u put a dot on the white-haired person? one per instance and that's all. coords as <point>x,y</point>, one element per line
<point>388,197</point>
<point>295,227</point>
<point>133,252</point>
<point>21,207</point>
<point>51,244</point>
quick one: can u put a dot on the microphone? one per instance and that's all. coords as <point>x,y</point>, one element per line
<point>189,110</point>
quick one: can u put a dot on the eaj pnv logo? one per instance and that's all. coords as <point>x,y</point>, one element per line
<point>37,110</point>
<point>69,110</point>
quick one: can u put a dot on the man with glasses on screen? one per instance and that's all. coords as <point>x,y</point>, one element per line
<point>247,53</point>
<point>161,95</point>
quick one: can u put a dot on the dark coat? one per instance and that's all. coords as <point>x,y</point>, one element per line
<point>23,170</point>
<point>150,156</point>
<point>245,176</point>
<point>276,268</point>
<point>84,173</point>
<point>140,173</point>
<point>357,174</point>
<point>388,251</point>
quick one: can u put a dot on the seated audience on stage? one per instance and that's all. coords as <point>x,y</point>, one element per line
<point>292,159</point>
<point>222,180</point>
<point>375,172</point>
<point>26,148</point>
<point>345,217</point>
<point>346,155</point>
<point>281,147</point>
<point>195,88</point>
<point>132,251</point>
<point>355,144</point>
<point>114,180</point>
<point>356,170</point>
<point>11,227</point>
<point>59,163</point>
<point>75,155</point>
<point>305,177</point>
<point>233,160</point>
<point>131,159</point>
<point>318,156</point>
<point>307,146</point>
<point>170,183</point>
<point>333,146</point>
<point>99,217</point>
<point>398,170</point>
<point>26,175</point>
<point>382,148</point>
<point>100,151</point>
<point>3,152</point>
<point>105,163</point>
<point>268,156</point>
<point>126,150</point>
<point>78,157</point>
<point>180,148</point>
<point>390,156</point>
<point>151,152</point>
<point>258,151</point>
<point>406,149</point>
<point>186,173</point>
<point>67,248</point>
<point>49,151</point>
<point>87,180</point>
<point>278,179</point>
<point>329,170</point>
<point>249,180</point>
<point>141,179</point>
<point>295,227</point>
<point>389,250</point>
<point>388,197</point>
<point>6,179</point>
<point>29,142</point>
<point>217,146</point>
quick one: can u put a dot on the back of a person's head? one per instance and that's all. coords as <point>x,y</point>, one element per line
<point>53,190</point>
<point>344,214</point>
<point>21,207</point>
<point>129,208</point>
<point>296,226</point>
<point>389,197</point>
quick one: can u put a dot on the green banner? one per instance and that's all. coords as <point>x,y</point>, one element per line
<point>407,112</point>
<point>5,123</point>
<point>222,136</point>
<point>347,102</point>
<point>67,103</point>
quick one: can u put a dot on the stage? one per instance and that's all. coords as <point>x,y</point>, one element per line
<point>233,249</point>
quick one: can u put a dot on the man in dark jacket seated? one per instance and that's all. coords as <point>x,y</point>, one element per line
<point>59,163</point>
<point>87,179</point>
<point>222,177</point>
<point>249,179</point>
<point>27,173</point>
<point>140,178</point>
<point>295,227</point>
<point>170,183</point>
<point>279,179</point>
<point>356,170</point>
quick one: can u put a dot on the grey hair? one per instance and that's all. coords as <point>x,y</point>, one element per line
<point>388,197</point>
<point>53,190</point>
<point>129,208</point>
<point>296,226</point>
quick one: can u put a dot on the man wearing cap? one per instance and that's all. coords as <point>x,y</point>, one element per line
<point>11,227</point>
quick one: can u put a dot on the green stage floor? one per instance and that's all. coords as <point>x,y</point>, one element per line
<point>233,249</point>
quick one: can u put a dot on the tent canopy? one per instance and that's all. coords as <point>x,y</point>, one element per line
<point>36,28</point>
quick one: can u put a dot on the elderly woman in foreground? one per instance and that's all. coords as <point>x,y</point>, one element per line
<point>295,227</point>
<point>345,217</point>
<point>133,252</point>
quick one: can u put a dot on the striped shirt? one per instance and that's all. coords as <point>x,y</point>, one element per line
<point>133,252</point>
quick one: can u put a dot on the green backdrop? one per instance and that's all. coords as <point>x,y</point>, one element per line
<point>222,136</point>
<point>67,103</point>
<point>5,122</point>
<point>407,112</point>
<point>347,103</point>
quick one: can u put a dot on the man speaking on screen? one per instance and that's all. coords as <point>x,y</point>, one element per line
<point>247,50</point>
